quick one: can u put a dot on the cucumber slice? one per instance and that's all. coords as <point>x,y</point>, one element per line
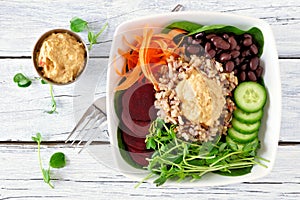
<point>241,137</point>
<point>245,128</point>
<point>235,146</point>
<point>250,96</point>
<point>248,118</point>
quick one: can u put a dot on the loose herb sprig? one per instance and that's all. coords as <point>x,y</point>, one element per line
<point>24,81</point>
<point>178,159</point>
<point>57,160</point>
<point>79,25</point>
<point>53,107</point>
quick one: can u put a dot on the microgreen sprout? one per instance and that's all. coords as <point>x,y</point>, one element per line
<point>53,107</point>
<point>24,81</point>
<point>57,160</point>
<point>79,25</point>
<point>175,158</point>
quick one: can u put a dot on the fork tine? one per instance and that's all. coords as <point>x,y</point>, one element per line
<point>99,120</point>
<point>89,126</point>
<point>87,113</point>
<point>88,120</point>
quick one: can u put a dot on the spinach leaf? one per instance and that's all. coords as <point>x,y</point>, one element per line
<point>235,172</point>
<point>184,25</point>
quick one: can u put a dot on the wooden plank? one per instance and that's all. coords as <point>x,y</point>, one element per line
<point>84,177</point>
<point>17,38</point>
<point>22,109</point>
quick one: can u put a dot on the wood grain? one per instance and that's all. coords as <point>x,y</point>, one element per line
<point>22,179</point>
<point>33,18</point>
<point>27,105</point>
<point>22,109</point>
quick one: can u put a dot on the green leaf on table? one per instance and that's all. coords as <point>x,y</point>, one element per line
<point>37,138</point>
<point>43,81</point>
<point>78,25</point>
<point>58,160</point>
<point>53,101</point>
<point>22,80</point>
<point>46,175</point>
<point>92,37</point>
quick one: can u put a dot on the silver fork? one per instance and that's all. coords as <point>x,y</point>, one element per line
<point>87,129</point>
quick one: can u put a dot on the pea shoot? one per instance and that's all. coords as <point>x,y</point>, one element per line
<point>53,107</point>
<point>57,160</point>
<point>175,158</point>
<point>24,81</point>
<point>79,25</point>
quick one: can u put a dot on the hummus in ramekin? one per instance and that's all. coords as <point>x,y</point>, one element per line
<point>60,56</point>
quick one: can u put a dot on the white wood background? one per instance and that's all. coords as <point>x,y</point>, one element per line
<point>22,110</point>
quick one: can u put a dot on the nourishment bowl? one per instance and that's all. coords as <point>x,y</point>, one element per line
<point>60,56</point>
<point>270,128</point>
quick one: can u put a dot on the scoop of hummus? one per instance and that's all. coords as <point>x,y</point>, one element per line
<point>201,98</point>
<point>61,57</point>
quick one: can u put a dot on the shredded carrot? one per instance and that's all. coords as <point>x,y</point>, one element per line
<point>130,80</point>
<point>146,56</point>
<point>174,32</point>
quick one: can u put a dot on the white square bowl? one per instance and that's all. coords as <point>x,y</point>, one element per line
<point>270,129</point>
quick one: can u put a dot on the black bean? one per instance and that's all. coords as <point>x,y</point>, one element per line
<point>235,54</point>
<point>244,67</point>
<point>251,76</point>
<point>246,53</point>
<point>237,61</point>
<point>253,49</point>
<point>196,41</point>
<point>232,42</point>
<point>189,40</point>
<point>225,57</point>
<point>219,51</point>
<point>242,76</point>
<point>211,53</point>
<point>247,42</point>
<point>259,71</point>
<point>254,62</point>
<point>193,49</point>
<point>243,59</point>
<point>220,43</point>
<point>246,35</point>
<point>207,47</point>
<point>229,66</point>
<point>235,72</point>
<point>199,35</point>
<point>225,36</point>
<point>209,36</point>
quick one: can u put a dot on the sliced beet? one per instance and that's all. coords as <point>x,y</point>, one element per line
<point>139,100</point>
<point>136,143</point>
<point>138,128</point>
<point>139,156</point>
